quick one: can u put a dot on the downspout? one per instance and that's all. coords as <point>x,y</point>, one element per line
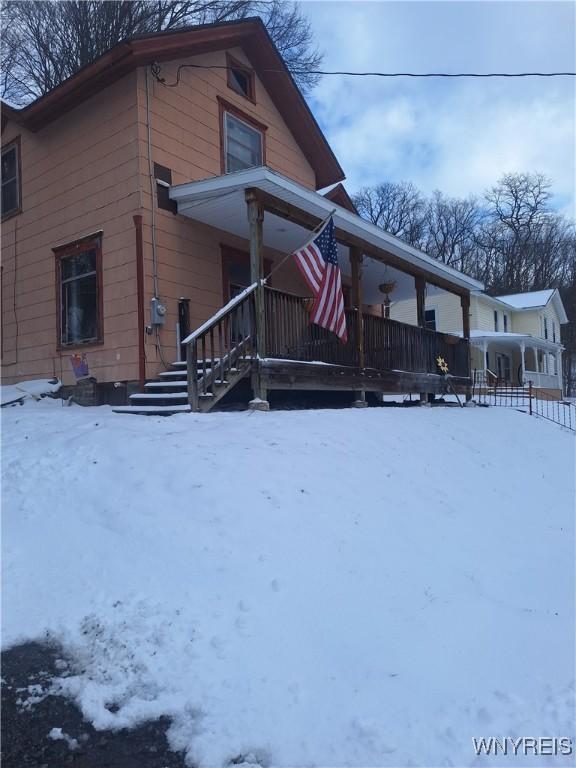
<point>140,296</point>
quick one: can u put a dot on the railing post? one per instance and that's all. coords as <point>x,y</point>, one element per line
<point>420,285</point>
<point>192,374</point>
<point>356,264</point>
<point>530,398</point>
<point>255,221</point>
<point>465,304</point>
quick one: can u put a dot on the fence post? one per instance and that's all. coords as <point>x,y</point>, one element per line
<point>530,398</point>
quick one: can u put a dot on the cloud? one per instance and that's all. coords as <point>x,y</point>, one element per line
<point>456,135</point>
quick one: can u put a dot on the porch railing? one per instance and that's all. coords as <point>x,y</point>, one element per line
<point>539,379</point>
<point>388,344</point>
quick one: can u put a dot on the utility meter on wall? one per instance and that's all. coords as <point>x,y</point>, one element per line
<point>157,311</point>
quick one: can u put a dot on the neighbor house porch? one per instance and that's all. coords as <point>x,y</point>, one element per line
<point>518,359</point>
<point>265,330</point>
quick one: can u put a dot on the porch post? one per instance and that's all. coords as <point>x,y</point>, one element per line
<point>356,258</point>
<point>255,221</point>
<point>420,284</point>
<point>522,363</point>
<point>465,304</point>
<point>559,371</point>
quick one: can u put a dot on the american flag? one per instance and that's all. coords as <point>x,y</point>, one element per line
<point>318,262</point>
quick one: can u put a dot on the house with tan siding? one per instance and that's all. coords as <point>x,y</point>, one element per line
<point>514,339</point>
<point>149,204</point>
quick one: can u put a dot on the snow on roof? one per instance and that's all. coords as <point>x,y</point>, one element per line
<point>528,300</point>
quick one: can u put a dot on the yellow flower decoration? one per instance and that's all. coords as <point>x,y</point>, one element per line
<point>442,364</point>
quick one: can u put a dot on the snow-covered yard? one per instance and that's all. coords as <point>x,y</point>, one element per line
<point>327,588</point>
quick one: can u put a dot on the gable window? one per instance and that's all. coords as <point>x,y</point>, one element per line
<point>240,78</point>
<point>79,274</point>
<point>430,319</point>
<point>243,144</point>
<point>11,188</point>
<point>163,178</point>
<point>495,319</point>
<point>545,327</point>
<point>505,320</point>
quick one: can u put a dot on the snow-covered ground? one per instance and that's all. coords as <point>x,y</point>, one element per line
<point>319,588</point>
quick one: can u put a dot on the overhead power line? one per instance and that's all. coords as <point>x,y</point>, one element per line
<point>156,72</point>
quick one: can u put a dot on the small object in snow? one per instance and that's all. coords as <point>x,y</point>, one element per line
<point>56,734</point>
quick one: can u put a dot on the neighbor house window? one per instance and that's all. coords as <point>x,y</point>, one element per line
<point>553,331</point>
<point>243,144</point>
<point>79,271</point>
<point>545,327</point>
<point>240,78</point>
<point>495,319</point>
<point>11,190</point>
<point>505,320</point>
<point>430,319</point>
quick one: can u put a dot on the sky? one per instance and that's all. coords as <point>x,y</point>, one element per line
<point>458,136</point>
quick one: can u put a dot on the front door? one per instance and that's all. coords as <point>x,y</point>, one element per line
<point>503,366</point>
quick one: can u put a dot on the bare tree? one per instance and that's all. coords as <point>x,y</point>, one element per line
<point>398,208</point>
<point>46,41</point>
<point>450,225</point>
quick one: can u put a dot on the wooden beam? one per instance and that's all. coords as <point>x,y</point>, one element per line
<point>465,303</point>
<point>356,264</point>
<point>255,221</point>
<point>304,219</point>
<point>420,302</point>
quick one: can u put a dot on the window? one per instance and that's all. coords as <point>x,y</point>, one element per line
<point>553,331</point>
<point>163,178</point>
<point>240,78</point>
<point>505,320</point>
<point>11,190</point>
<point>243,144</point>
<point>495,319</point>
<point>79,270</point>
<point>430,319</point>
<point>545,327</point>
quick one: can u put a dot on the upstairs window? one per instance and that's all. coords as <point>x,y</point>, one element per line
<point>553,331</point>
<point>505,319</point>
<point>240,78</point>
<point>430,319</point>
<point>545,327</point>
<point>495,319</point>
<point>11,190</point>
<point>79,269</point>
<point>243,144</point>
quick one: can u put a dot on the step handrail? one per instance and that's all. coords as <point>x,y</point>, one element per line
<point>220,314</point>
<point>220,346</point>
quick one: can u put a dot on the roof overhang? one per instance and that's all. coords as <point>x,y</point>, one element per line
<point>497,338</point>
<point>249,34</point>
<point>293,210</point>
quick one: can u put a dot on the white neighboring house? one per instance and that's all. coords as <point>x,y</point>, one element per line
<point>514,337</point>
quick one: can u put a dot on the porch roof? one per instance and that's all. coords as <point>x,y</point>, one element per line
<point>478,338</point>
<point>220,202</point>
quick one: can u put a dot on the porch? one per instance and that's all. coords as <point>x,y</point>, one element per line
<point>265,331</point>
<point>517,359</point>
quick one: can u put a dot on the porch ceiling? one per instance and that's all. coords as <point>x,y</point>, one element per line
<point>220,202</point>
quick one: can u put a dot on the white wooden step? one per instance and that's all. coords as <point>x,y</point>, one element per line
<point>139,397</point>
<point>150,410</point>
<point>165,385</point>
<point>182,363</point>
<point>177,375</point>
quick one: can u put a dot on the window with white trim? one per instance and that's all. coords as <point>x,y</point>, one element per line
<point>495,319</point>
<point>545,327</point>
<point>11,179</point>
<point>242,144</point>
<point>430,319</point>
<point>505,319</point>
<point>553,331</point>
